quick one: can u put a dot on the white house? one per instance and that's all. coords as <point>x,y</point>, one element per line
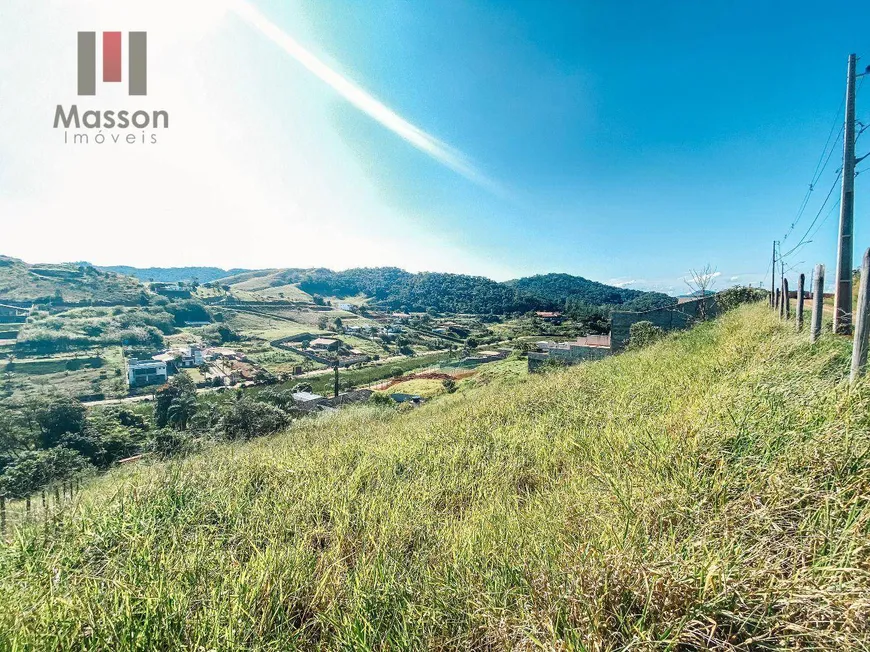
<point>146,372</point>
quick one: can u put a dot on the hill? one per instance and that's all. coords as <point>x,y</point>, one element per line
<point>397,289</point>
<point>174,274</point>
<point>707,492</point>
<point>565,290</point>
<point>20,281</point>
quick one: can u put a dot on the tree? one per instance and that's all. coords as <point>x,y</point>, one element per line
<point>338,324</point>
<point>248,418</point>
<point>449,384</point>
<point>179,388</point>
<point>322,322</point>
<point>181,411</point>
<point>700,281</point>
<point>56,417</point>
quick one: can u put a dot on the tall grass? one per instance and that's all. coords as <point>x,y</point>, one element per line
<point>707,492</point>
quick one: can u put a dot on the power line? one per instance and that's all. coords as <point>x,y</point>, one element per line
<point>803,239</point>
<point>821,166</point>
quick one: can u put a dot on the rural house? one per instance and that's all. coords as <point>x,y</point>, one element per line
<point>146,372</point>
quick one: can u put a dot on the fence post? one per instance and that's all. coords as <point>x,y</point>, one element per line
<point>57,496</point>
<point>818,302</point>
<point>27,506</point>
<point>800,301</point>
<point>786,301</point>
<point>3,513</point>
<point>782,298</point>
<point>862,326</point>
<point>776,301</point>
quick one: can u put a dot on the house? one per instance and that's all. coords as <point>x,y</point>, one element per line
<point>553,317</point>
<point>146,372</point>
<point>12,311</point>
<point>12,314</point>
<point>347,307</point>
<point>323,344</point>
<point>192,357</point>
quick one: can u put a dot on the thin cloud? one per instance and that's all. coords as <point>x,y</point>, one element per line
<point>364,101</point>
<point>621,283</point>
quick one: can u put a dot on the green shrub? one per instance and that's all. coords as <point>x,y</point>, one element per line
<point>643,333</point>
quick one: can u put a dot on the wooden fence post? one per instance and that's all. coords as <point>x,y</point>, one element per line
<point>862,324</point>
<point>776,301</point>
<point>818,302</point>
<point>56,496</point>
<point>800,302</point>
<point>27,506</point>
<point>3,513</point>
<point>786,299</point>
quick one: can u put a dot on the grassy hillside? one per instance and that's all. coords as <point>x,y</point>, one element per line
<point>20,281</point>
<point>708,492</point>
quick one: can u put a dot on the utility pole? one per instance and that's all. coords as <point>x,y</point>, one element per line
<point>843,288</point>
<point>773,276</point>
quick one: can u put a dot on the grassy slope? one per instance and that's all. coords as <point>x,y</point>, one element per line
<point>22,282</point>
<point>710,490</point>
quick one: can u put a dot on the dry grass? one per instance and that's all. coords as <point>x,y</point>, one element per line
<point>708,492</point>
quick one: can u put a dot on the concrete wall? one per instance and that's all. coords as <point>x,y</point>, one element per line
<point>570,356</point>
<point>671,318</point>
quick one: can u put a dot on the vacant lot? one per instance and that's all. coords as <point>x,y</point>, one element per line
<point>709,492</point>
<point>97,371</point>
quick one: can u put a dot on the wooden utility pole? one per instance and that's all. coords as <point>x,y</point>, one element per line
<point>773,277</point>
<point>862,322</point>
<point>800,302</point>
<point>843,288</point>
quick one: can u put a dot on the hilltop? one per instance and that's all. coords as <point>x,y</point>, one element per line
<point>706,492</point>
<point>173,274</point>
<point>20,281</point>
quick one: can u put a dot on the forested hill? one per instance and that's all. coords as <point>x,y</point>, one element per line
<point>398,289</point>
<point>564,289</point>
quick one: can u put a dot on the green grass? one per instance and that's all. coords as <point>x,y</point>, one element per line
<point>708,492</point>
<point>367,375</point>
<point>420,387</point>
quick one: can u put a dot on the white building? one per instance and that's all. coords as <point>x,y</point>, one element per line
<point>146,372</point>
<point>192,357</point>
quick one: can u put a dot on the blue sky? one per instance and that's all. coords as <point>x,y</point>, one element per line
<point>625,142</point>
